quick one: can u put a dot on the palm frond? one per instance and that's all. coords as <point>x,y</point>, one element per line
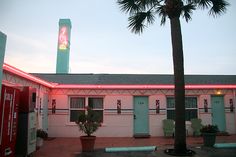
<point>204,4</point>
<point>187,10</point>
<point>137,21</point>
<point>128,6</point>
<point>218,7</point>
<point>150,17</point>
<point>134,6</point>
<point>149,3</point>
<point>161,11</point>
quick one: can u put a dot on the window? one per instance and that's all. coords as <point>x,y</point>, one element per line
<point>78,106</point>
<point>190,105</point>
<point>97,105</point>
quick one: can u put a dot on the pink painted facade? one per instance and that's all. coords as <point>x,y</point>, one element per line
<point>55,113</point>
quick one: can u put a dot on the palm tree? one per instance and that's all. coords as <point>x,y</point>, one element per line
<point>142,13</point>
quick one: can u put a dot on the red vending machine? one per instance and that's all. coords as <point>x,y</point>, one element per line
<point>27,100</point>
<point>8,120</point>
<point>26,133</point>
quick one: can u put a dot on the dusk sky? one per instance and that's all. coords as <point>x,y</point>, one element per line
<point>102,43</point>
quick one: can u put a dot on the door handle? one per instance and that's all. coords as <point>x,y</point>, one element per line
<point>134,116</point>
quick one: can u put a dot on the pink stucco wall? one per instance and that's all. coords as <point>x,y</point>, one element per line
<point>115,125</point>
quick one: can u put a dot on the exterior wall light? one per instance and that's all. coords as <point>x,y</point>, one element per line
<point>218,92</point>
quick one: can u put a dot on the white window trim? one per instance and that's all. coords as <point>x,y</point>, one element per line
<point>69,123</point>
<point>185,108</point>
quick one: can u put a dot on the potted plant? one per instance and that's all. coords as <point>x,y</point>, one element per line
<point>41,135</point>
<point>209,134</point>
<point>88,123</point>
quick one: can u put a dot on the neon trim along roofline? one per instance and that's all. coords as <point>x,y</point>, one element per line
<point>33,78</point>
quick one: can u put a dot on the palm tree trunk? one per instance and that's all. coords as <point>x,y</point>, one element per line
<point>178,60</point>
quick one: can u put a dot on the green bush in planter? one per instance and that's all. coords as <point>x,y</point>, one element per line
<point>42,134</point>
<point>88,123</point>
<point>209,129</point>
<point>209,134</point>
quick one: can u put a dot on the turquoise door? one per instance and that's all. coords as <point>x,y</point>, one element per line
<point>141,120</point>
<point>218,112</point>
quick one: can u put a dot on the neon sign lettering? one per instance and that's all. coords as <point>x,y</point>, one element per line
<point>63,38</point>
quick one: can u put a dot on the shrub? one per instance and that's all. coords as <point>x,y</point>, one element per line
<point>42,134</point>
<point>88,123</point>
<point>209,129</point>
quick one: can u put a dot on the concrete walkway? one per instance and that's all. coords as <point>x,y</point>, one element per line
<point>71,147</point>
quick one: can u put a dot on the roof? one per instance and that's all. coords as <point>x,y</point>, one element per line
<point>134,79</point>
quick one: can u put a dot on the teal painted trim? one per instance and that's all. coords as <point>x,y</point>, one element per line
<point>3,40</point>
<point>130,149</point>
<point>63,61</point>
<point>225,145</point>
<point>65,22</point>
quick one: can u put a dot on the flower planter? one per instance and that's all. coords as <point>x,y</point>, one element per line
<point>88,123</point>
<point>39,142</point>
<point>87,143</point>
<point>209,139</point>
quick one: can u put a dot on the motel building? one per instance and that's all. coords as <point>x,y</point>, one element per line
<point>130,104</point>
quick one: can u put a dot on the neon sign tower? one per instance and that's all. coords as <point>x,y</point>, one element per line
<point>3,39</point>
<point>63,47</point>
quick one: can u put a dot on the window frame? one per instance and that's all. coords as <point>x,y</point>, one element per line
<point>187,108</point>
<point>75,109</point>
<point>86,99</point>
<point>98,109</point>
